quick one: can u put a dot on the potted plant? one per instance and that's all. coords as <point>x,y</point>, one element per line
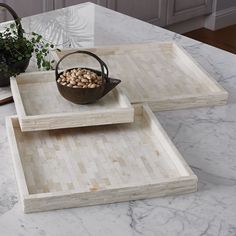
<point>17,48</point>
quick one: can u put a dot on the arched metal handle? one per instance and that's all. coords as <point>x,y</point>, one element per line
<point>16,19</point>
<point>104,68</point>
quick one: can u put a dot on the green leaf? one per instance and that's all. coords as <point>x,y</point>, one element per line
<point>12,25</point>
<point>38,38</point>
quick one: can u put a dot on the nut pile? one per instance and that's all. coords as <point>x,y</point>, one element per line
<point>80,78</point>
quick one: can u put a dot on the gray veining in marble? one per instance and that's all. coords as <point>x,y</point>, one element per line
<point>206,138</point>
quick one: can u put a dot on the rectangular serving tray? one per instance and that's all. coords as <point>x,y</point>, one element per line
<point>162,74</point>
<point>40,106</point>
<point>97,165</point>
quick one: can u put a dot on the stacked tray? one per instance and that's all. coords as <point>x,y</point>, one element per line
<point>58,166</point>
<point>68,155</point>
<point>163,75</point>
<point>97,164</point>
<point>40,106</point>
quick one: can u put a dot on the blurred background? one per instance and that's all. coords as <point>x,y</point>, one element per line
<point>209,21</point>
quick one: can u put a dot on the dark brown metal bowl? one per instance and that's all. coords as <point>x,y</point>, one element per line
<point>87,95</point>
<point>81,95</point>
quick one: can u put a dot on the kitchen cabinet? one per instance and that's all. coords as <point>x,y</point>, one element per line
<point>2,14</point>
<point>158,12</point>
<point>66,3</point>
<point>182,10</point>
<point>153,11</point>
<point>25,8</point>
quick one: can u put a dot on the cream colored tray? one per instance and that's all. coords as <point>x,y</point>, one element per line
<point>40,106</point>
<point>96,165</point>
<point>162,74</point>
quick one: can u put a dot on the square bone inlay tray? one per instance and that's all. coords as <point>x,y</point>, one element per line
<point>162,74</point>
<point>95,165</point>
<point>40,106</point>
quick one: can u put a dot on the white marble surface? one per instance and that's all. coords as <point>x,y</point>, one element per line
<point>205,137</point>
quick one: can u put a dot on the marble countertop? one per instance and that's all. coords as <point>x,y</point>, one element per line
<point>206,138</point>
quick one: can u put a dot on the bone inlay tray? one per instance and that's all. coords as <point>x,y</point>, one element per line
<point>95,165</point>
<point>162,74</point>
<point>40,106</point>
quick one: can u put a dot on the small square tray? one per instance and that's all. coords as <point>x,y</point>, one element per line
<point>96,165</point>
<point>40,106</point>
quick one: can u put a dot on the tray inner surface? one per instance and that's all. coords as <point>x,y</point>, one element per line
<point>94,158</point>
<point>40,96</point>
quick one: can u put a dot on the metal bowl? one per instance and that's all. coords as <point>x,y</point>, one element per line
<point>87,95</point>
